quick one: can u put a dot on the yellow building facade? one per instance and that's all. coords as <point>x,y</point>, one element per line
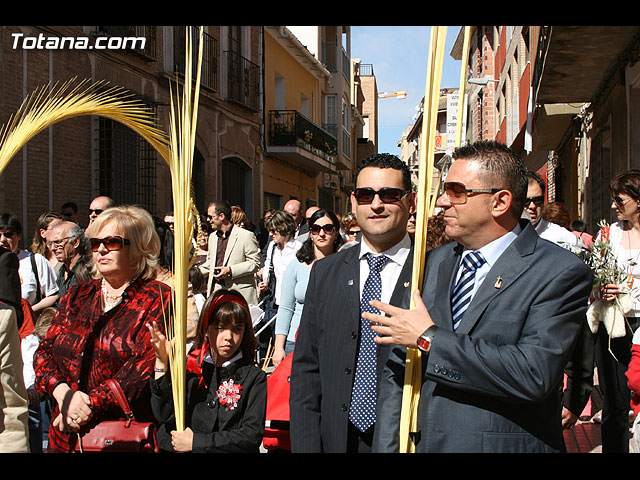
<point>298,152</point>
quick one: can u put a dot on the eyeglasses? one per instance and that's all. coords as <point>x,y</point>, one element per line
<point>97,211</point>
<point>537,201</point>
<point>57,243</point>
<point>618,200</point>
<point>328,229</point>
<point>111,243</point>
<point>353,233</point>
<point>8,234</point>
<point>365,196</point>
<point>210,217</point>
<point>458,193</point>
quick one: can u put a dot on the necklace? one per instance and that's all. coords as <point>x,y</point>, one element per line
<point>110,301</point>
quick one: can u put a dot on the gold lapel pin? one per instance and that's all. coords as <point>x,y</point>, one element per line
<point>498,283</point>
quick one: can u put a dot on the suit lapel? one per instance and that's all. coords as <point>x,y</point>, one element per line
<point>401,295</point>
<point>233,238</point>
<point>515,260</point>
<point>349,279</point>
<point>443,279</point>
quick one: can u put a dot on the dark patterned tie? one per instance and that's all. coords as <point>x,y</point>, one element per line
<point>363,396</point>
<point>461,296</point>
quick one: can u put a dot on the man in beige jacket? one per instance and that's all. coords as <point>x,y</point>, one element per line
<point>14,430</point>
<point>233,256</point>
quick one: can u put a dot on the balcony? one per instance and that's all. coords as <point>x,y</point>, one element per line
<point>297,139</point>
<point>243,81</point>
<point>147,51</point>
<point>209,78</point>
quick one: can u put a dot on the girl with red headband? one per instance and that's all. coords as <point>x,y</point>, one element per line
<point>226,391</point>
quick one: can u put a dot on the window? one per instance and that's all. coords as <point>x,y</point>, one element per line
<point>126,165</point>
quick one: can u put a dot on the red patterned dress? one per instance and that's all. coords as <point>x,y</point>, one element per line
<point>84,347</point>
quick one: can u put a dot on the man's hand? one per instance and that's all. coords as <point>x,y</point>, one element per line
<point>224,272</point>
<point>399,327</point>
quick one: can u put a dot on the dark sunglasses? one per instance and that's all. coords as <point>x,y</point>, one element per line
<point>618,200</point>
<point>97,211</point>
<point>537,201</point>
<point>365,196</point>
<point>328,229</point>
<point>111,243</point>
<point>458,193</point>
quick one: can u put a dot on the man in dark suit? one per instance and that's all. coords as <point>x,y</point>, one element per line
<point>336,364</point>
<point>493,357</point>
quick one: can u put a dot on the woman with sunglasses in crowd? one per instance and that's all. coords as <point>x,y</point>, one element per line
<point>624,237</point>
<point>99,331</point>
<point>324,239</point>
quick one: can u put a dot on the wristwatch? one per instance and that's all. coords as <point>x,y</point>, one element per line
<point>424,340</point>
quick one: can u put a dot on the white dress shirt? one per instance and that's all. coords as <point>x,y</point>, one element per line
<point>491,252</point>
<point>391,271</point>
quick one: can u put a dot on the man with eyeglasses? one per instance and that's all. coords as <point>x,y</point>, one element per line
<point>547,230</point>
<point>72,249</point>
<point>336,363</point>
<point>99,205</point>
<point>496,321</point>
<point>233,255</point>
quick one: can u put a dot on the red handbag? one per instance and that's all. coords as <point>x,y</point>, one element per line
<point>126,435</point>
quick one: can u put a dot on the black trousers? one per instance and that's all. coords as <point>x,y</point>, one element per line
<point>613,384</point>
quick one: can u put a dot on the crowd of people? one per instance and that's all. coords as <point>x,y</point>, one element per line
<point>504,320</point>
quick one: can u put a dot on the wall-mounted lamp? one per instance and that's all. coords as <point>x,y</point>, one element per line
<point>481,81</point>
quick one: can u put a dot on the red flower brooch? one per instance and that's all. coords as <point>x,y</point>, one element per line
<point>229,394</point>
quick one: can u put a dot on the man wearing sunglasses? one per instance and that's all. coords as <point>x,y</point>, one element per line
<point>99,205</point>
<point>72,249</point>
<point>233,255</point>
<point>496,321</point>
<point>336,364</point>
<point>547,230</point>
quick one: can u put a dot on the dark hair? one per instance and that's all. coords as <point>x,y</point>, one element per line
<point>205,226</point>
<point>227,313</point>
<point>72,205</point>
<point>627,183</point>
<point>386,160</point>
<point>197,280</point>
<point>306,253</point>
<point>533,176</point>
<point>578,226</point>
<point>502,168</point>
<point>165,256</point>
<point>222,206</point>
<point>11,223</point>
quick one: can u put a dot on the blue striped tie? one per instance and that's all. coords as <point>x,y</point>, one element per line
<point>461,296</point>
<point>363,396</point>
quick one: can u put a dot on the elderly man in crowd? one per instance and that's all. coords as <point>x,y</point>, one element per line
<point>71,248</point>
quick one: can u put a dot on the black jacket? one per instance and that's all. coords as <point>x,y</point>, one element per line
<point>216,428</point>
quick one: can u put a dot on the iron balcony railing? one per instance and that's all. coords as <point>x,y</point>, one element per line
<point>209,72</point>
<point>134,31</point>
<point>243,81</point>
<point>291,128</point>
